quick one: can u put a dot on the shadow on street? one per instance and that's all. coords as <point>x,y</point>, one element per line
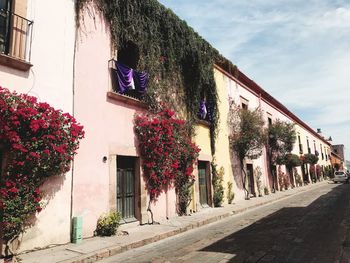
<point>314,233</point>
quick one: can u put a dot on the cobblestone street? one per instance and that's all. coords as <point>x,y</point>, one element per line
<point>309,227</point>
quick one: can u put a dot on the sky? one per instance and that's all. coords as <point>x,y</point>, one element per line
<point>297,50</point>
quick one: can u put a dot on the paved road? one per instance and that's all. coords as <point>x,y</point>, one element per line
<point>309,227</point>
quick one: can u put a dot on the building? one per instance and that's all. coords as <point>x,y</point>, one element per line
<point>80,77</point>
<point>339,150</point>
<point>246,93</point>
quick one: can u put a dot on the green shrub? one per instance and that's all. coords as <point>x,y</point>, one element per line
<point>218,196</point>
<point>258,176</point>
<point>266,190</point>
<point>230,194</point>
<point>108,223</point>
<point>298,179</point>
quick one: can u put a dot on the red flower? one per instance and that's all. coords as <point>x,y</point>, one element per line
<point>13,190</point>
<point>21,119</point>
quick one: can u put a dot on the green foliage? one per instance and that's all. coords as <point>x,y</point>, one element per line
<point>298,179</point>
<point>328,172</point>
<point>230,194</point>
<point>258,176</point>
<point>266,190</point>
<point>168,155</point>
<point>310,158</point>
<point>292,160</point>
<point>184,194</point>
<point>107,224</point>
<point>283,179</point>
<point>247,136</point>
<point>178,60</point>
<point>218,195</point>
<point>38,142</point>
<point>281,138</point>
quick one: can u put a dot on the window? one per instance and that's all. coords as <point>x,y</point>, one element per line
<point>300,145</point>
<point>126,79</point>
<point>203,177</point>
<point>315,150</point>
<point>206,111</point>
<point>15,33</point>
<point>244,103</point>
<point>269,121</point>
<point>308,145</point>
<point>5,8</point>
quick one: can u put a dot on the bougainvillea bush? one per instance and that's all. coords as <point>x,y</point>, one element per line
<point>37,142</point>
<point>168,154</point>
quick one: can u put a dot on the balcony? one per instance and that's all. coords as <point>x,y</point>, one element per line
<point>15,40</point>
<point>128,82</point>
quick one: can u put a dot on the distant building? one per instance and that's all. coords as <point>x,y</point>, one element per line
<point>339,150</point>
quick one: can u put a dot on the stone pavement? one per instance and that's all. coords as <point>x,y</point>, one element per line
<point>96,248</point>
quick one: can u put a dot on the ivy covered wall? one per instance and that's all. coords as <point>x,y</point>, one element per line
<point>179,61</point>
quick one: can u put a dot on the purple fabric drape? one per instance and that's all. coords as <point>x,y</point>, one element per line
<point>141,81</point>
<point>210,114</point>
<point>129,78</point>
<point>125,77</point>
<point>202,110</point>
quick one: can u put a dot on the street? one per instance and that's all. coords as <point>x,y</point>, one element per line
<point>308,227</point>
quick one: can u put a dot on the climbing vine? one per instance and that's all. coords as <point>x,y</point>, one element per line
<point>178,60</point>
<point>168,155</point>
<point>38,141</point>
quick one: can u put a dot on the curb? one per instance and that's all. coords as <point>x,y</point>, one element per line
<point>113,250</point>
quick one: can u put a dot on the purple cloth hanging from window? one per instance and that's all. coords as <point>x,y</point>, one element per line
<point>202,110</point>
<point>141,81</point>
<point>125,77</point>
<point>129,78</point>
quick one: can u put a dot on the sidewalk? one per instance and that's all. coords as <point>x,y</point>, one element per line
<point>96,248</point>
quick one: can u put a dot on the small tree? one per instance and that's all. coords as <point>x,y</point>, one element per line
<point>291,161</point>
<point>168,155</point>
<point>247,136</point>
<point>258,175</point>
<point>281,138</point>
<point>218,195</point>
<point>230,194</point>
<point>310,158</point>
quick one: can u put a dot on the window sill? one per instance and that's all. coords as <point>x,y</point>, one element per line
<point>125,99</point>
<point>204,123</point>
<point>14,63</point>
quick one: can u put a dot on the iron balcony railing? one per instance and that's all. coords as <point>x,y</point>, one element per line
<point>15,35</point>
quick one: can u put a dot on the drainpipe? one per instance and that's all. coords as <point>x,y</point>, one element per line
<point>73,113</point>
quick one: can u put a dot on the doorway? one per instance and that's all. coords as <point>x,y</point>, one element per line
<point>126,188</point>
<point>203,183</point>
<point>250,175</point>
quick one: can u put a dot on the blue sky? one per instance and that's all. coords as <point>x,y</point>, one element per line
<point>297,50</point>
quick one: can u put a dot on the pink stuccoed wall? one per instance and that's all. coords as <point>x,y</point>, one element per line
<point>108,126</point>
<point>50,80</point>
